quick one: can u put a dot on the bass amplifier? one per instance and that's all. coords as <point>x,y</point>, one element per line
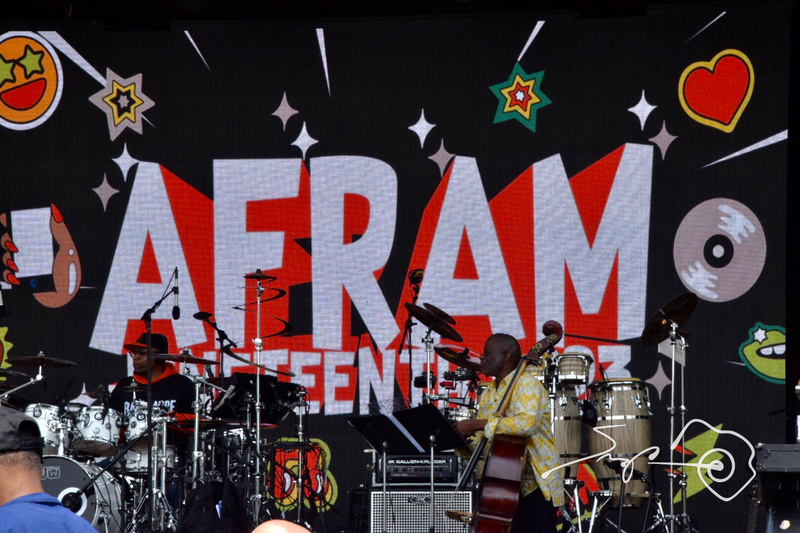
<point>416,470</point>
<point>410,511</point>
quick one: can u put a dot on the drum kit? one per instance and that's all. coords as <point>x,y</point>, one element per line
<point>112,468</point>
<point>585,414</point>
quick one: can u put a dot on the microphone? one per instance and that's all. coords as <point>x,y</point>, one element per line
<point>72,501</point>
<point>176,310</point>
<point>415,276</point>
<point>202,315</point>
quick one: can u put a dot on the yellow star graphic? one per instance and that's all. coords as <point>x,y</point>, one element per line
<point>130,92</point>
<point>520,96</point>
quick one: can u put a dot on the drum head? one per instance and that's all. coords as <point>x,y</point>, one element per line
<point>62,476</point>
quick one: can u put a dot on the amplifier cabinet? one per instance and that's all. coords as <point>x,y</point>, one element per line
<point>409,511</point>
<point>416,470</point>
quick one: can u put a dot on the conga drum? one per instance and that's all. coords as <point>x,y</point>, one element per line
<point>624,402</point>
<point>567,429</point>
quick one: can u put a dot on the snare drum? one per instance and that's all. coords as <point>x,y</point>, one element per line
<point>97,431</point>
<point>136,460</point>
<point>100,504</point>
<point>625,402</point>
<point>54,428</point>
<point>573,368</point>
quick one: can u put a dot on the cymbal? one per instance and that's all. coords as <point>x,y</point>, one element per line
<point>228,351</point>
<point>435,323</point>
<point>40,360</point>
<point>441,314</point>
<point>6,373</point>
<point>217,423</point>
<point>461,359</point>
<point>135,388</point>
<point>260,276</point>
<point>99,392</point>
<point>184,358</point>
<point>677,311</point>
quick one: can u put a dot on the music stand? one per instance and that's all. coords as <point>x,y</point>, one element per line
<point>384,433</point>
<point>430,428</point>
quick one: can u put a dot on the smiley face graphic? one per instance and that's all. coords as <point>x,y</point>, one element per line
<point>31,80</point>
<point>764,352</point>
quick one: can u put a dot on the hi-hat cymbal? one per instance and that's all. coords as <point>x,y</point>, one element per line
<point>461,359</point>
<point>99,392</point>
<point>434,322</point>
<point>677,311</point>
<point>133,387</point>
<point>40,360</point>
<point>184,358</point>
<point>441,314</point>
<point>6,373</point>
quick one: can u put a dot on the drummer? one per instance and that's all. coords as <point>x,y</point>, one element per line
<point>172,391</point>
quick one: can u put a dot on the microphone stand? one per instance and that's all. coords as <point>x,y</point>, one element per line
<point>221,339</point>
<point>147,318</point>
<point>407,334</point>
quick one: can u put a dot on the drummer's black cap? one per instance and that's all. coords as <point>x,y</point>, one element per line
<point>158,343</point>
<point>18,432</point>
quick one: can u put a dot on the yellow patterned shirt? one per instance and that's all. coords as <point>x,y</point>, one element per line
<point>527,415</point>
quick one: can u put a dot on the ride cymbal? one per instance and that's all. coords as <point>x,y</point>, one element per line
<point>461,359</point>
<point>181,358</point>
<point>677,311</point>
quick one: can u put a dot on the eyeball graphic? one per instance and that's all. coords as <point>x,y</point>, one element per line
<point>31,80</point>
<point>719,250</point>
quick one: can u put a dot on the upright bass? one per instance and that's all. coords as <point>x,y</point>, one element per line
<point>500,485</point>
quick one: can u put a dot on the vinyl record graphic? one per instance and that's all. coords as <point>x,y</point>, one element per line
<point>719,250</point>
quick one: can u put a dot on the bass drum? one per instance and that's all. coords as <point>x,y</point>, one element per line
<point>622,402</point>
<point>100,504</point>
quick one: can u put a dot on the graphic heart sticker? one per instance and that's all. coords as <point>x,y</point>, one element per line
<point>716,92</point>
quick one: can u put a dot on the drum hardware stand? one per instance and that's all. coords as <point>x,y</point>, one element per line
<point>596,510</point>
<point>683,519</point>
<point>147,318</point>
<point>34,379</point>
<point>198,470</point>
<point>576,499</point>
<point>414,283</point>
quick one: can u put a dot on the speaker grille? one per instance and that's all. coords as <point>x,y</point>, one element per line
<point>409,512</point>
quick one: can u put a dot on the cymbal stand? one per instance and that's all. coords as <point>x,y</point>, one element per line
<point>35,379</point>
<point>683,520</point>
<point>428,341</point>
<point>259,343</point>
<point>198,465</point>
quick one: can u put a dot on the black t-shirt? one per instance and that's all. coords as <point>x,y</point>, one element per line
<point>173,393</point>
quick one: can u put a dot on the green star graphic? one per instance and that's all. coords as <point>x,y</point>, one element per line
<point>506,111</point>
<point>6,71</point>
<point>32,62</point>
